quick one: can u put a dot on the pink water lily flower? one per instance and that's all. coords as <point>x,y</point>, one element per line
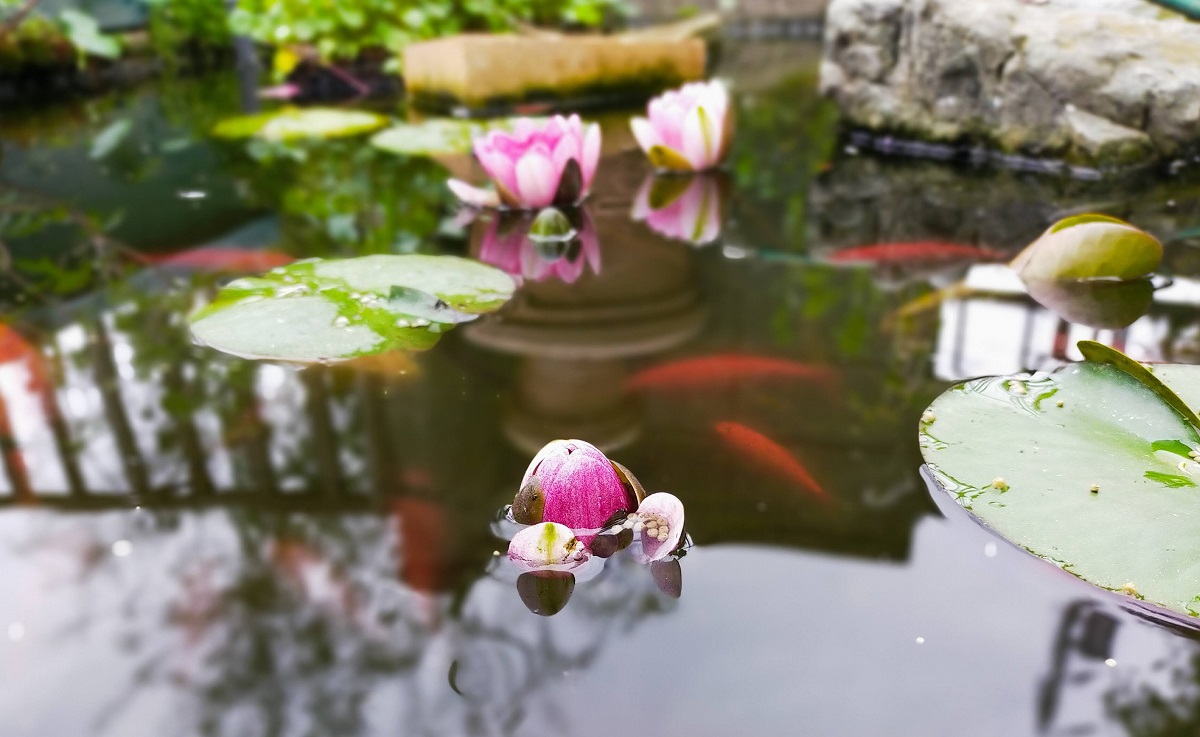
<point>572,483</point>
<point>691,214</point>
<point>540,163</point>
<point>688,129</point>
<point>508,246</point>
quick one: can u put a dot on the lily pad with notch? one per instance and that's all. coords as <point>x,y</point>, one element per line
<point>336,310</point>
<point>1089,468</point>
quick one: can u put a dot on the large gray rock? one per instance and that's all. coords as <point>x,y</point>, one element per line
<point>1093,81</point>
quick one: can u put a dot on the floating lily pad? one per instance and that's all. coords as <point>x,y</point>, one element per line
<point>436,136</point>
<point>317,310</point>
<point>1090,247</point>
<point>291,124</point>
<point>1086,467</point>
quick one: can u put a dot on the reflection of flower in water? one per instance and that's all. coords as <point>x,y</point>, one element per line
<point>508,246</point>
<point>682,208</point>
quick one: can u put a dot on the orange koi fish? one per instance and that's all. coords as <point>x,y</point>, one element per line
<point>915,251</point>
<point>216,259</point>
<point>702,371</point>
<point>765,452</point>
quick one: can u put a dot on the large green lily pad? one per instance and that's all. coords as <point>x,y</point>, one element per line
<point>1023,454</point>
<point>322,311</point>
<point>289,124</point>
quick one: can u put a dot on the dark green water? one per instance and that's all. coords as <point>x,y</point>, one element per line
<point>194,544</point>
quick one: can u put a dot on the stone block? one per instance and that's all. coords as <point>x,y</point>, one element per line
<point>487,73</point>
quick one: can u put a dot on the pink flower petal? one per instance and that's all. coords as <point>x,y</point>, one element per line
<point>547,546</point>
<point>580,487</point>
<point>699,147</point>
<point>537,179</point>
<point>473,196</point>
<point>499,167</point>
<point>662,508</point>
<point>591,155</point>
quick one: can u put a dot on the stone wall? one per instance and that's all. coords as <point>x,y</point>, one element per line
<point>1093,81</point>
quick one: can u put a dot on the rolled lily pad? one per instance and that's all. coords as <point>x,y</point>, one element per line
<point>1089,247</point>
<point>1087,468</point>
<point>291,124</point>
<point>324,311</point>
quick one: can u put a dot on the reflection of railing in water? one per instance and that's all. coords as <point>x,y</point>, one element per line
<point>998,328</point>
<point>80,428</point>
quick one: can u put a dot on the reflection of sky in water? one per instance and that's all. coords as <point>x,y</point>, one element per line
<point>160,641</point>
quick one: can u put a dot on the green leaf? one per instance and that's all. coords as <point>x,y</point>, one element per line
<point>1100,353</point>
<point>321,311</point>
<point>436,136</point>
<point>1113,433</point>
<point>291,124</point>
<point>85,35</point>
<point>1089,247</point>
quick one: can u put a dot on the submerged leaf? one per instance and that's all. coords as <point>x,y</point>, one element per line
<point>1089,247</point>
<point>1097,481</point>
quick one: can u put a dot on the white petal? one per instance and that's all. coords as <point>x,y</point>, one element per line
<point>645,134</point>
<point>699,147</point>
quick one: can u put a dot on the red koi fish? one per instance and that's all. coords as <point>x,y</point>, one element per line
<point>914,252</point>
<point>703,371</point>
<point>765,452</point>
<point>222,259</point>
<point>422,529</point>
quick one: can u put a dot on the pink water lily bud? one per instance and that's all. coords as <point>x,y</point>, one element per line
<point>688,129</point>
<point>571,483</point>
<point>540,163</point>
<point>508,245</point>
<point>658,525</point>
<point>681,208</point>
<point>547,546</point>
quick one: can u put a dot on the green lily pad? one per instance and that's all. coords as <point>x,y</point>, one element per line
<point>289,124</point>
<point>324,311</point>
<point>431,137</point>
<point>1101,485</point>
<point>436,136</point>
<point>1089,247</point>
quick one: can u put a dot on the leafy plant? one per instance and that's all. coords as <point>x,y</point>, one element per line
<point>178,23</point>
<point>342,30</point>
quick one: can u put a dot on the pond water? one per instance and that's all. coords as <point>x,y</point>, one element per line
<point>197,544</point>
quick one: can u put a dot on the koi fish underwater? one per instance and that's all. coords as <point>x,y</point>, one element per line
<point>757,448</point>
<point>914,252</point>
<point>725,369</point>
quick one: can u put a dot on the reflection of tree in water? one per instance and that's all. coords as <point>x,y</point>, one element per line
<point>271,623</point>
<point>1146,711</point>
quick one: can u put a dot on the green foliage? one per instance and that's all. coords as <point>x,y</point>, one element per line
<point>86,36</point>
<point>175,24</point>
<point>342,29</point>
<point>36,41</point>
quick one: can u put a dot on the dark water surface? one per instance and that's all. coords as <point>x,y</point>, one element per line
<point>194,544</point>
